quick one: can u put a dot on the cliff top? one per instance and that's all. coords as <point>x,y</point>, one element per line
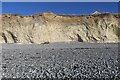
<point>96,13</point>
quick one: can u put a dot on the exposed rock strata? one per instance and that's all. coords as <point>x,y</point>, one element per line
<point>50,27</point>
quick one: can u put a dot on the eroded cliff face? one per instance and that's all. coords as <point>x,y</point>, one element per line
<point>50,27</point>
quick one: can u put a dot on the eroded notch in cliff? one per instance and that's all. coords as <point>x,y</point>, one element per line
<point>4,37</point>
<point>13,37</point>
<point>79,38</point>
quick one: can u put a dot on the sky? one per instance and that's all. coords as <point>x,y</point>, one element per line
<point>29,8</point>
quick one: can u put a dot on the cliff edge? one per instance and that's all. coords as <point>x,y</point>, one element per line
<point>49,27</point>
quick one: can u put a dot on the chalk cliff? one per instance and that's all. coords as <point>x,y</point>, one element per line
<point>49,27</point>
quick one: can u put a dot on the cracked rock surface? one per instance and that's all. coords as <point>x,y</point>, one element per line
<point>50,27</point>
